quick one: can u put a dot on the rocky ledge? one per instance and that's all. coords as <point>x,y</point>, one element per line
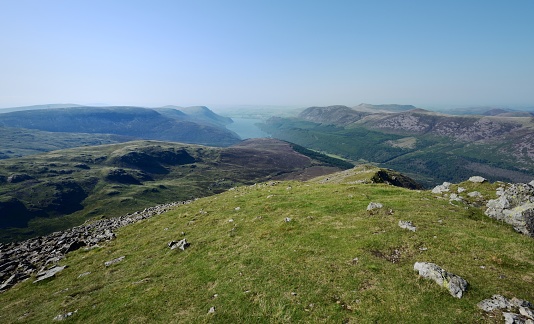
<point>40,255</point>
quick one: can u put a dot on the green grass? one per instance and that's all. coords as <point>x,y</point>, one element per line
<point>253,266</point>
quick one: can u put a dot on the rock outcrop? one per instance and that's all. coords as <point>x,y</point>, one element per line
<point>514,206</point>
<point>19,260</point>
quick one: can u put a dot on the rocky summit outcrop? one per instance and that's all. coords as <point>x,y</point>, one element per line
<point>19,261</point>
<point>514,206</point>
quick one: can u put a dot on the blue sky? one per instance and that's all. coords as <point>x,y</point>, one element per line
<point>294,53</point>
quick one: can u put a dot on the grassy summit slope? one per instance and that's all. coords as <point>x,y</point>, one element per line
<point>253,265</point>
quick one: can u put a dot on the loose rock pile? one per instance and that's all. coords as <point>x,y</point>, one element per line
<point>19,260</point>
<point>517,310</point>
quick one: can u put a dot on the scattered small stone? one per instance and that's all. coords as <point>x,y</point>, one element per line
<point>19,260</point>
<point>231,220</point>
<point>461,189</point>
<point>293,293</point>
<point>455,197</point>
<point>355,261</point>
<point>182,244</point>
<point>423,249</point>
<point>477,179</point>
<point>114,261</point>
<point>407,225</point>
<point>84,274</point>
<point>455,284</point>
<point>237,208</point>
<point>212,310</point>
<point>475,194</point>
<point>287,219</point>
<point>62,317</point>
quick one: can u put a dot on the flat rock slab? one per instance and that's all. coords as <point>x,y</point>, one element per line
<point>42,275</point>
<point>111,262</point>
<point>455,284</point>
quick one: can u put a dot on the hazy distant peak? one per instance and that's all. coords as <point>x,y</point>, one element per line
<point>383,108</point>
<point>37,107</point>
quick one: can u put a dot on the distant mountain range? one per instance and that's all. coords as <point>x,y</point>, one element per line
<point>197,125</point>
<point>428,146</point>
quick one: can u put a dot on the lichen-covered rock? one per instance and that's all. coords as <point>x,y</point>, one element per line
<point>515,206</point>
<point>456,285</point>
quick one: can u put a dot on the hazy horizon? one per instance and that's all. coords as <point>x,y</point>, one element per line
<point>431,55</point>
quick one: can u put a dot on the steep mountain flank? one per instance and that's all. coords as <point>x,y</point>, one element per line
<point>429,147</point>
<point>338,115</point>
<point>464,128</point>
<point>45,192</point>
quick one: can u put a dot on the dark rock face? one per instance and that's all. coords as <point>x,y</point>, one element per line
<point>13,213</point>
<point>154,160</point>
<point>122,176</point>
<point>396,179</point>
<point>18,261</point>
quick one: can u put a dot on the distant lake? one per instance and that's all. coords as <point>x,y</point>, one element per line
<point>246,128</point>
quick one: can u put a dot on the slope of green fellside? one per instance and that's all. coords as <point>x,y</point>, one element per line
<point>57,190</point>
<point>283,252</point>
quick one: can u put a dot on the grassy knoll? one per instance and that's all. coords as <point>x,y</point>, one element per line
<point>253,266</point>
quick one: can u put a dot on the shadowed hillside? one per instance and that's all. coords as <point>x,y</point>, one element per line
<point>46,192</point>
